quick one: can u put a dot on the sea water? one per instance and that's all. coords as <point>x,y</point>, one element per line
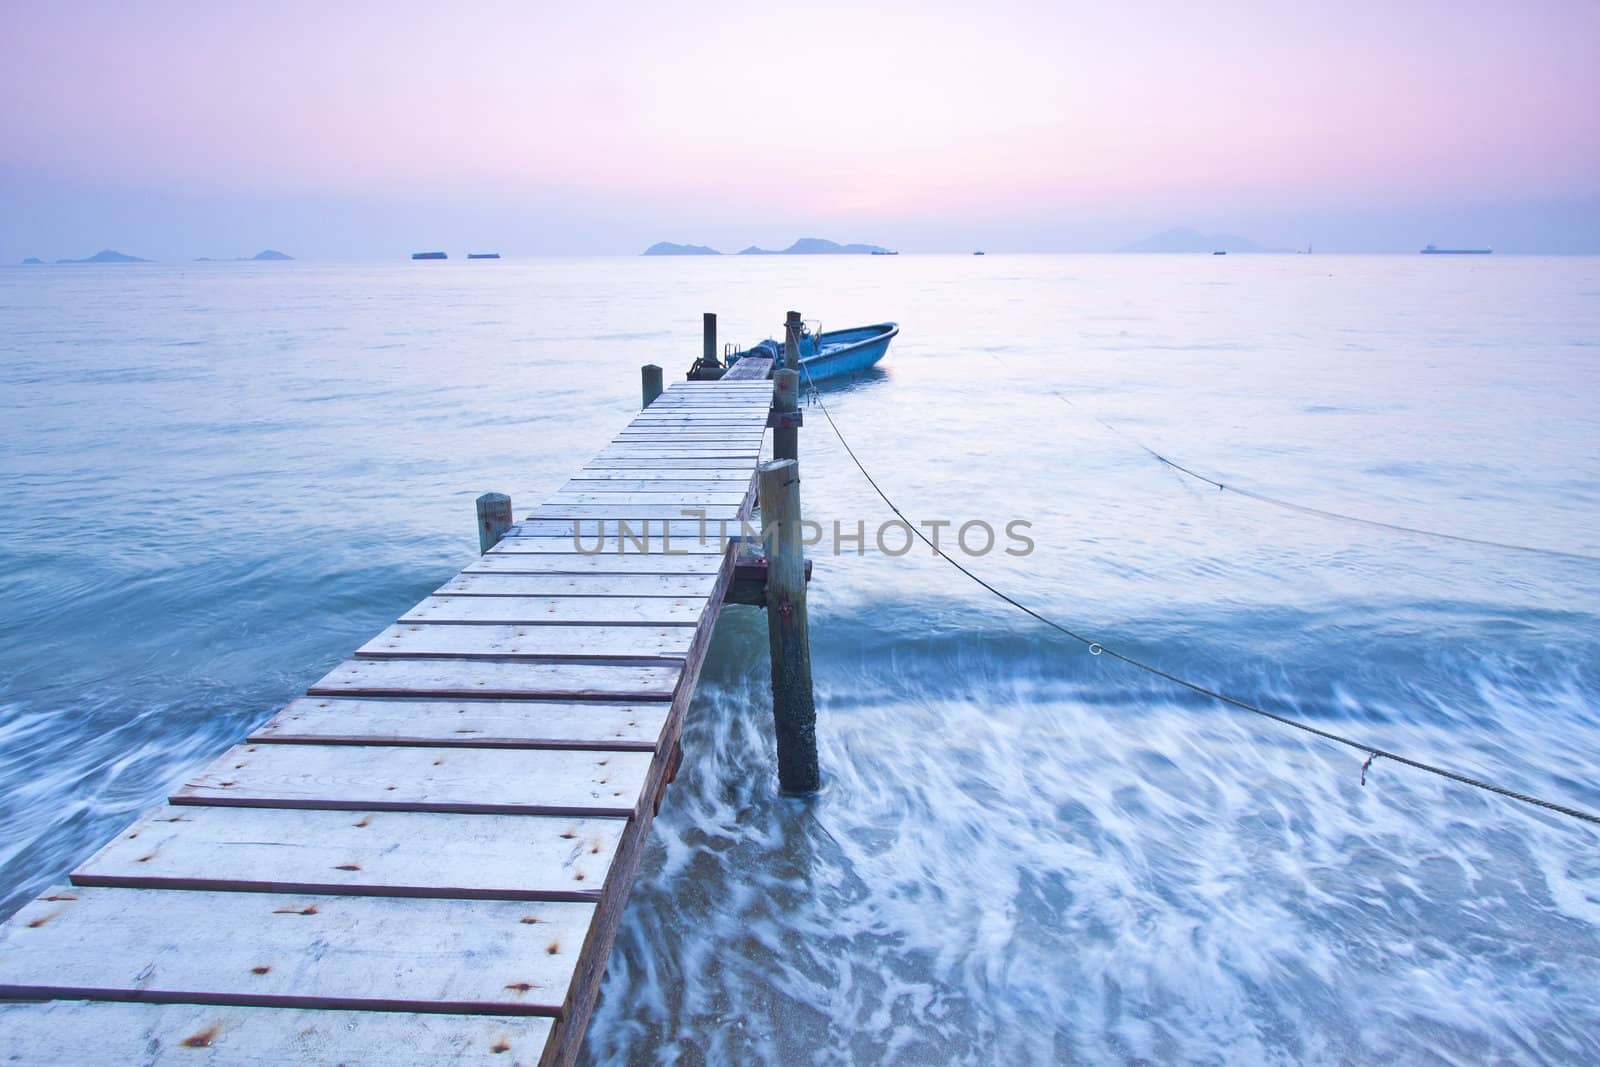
<point>216,481</point>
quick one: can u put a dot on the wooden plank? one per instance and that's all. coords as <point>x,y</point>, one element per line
<point>628,585</point>
<point>301,951</point>
<point>390,853</point>
<point>552,610</point>
<point>729,405</point>
<point>748,453</point>
<point>725,476</point>
<point>743,433</point>
<point>673,417</point>
<point>732,494</point>
<point>743,441</point>
<point>538,642</point>
<point>72,1033</point>
<point>520,542</point>
<point>509,562</point>
<point>475,723</point>
<point>532,679</point>
<point>624,510</point>
<point>687,494</point>
<point>620,536</point>
<point>484,781</point>
<point>691,464</point>
<point>751,368</point>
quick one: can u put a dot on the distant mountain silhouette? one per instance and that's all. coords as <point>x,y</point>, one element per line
<point>106,255</point>
<point>1185,239</point>
<point>667,248</point>
<point>33,261</point>
<point>816,246</point>
<point>270,253</point>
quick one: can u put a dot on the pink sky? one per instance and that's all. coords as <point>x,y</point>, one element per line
<point>741,114</point>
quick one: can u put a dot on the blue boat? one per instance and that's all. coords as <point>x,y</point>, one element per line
<point>832,354</point>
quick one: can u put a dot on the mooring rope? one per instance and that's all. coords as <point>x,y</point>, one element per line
<point>1306,509</point>
<point>1096,649</point>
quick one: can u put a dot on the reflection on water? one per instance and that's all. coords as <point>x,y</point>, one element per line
<point>218,482</point>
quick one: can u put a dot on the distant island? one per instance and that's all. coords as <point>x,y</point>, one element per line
<point>806,246</point>
<point>106,255</point>
<point>263,255</point>
<point>816,246</point>
<point>667,248</point>
<point>33,261</point>
<point>1185,239</point>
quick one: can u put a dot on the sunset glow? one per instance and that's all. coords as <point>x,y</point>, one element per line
<point>724,120</point>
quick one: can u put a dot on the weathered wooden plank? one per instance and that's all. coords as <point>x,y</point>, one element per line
<point>488,781</point>
<point>476,723</point>
<point>303,951</point>
<point>390,853</point>
<point>691,464</point>
<point>73,1033</point>
<point>625,510</point>
<point>624,536</point>
<point>720,475</point>
<point>637,452</point>
<point>743,442</point>
<point>655,491</point>
<point>607,563</point>
<point>743,434</point>
<point>627,585</point>
<point>732,494</point>
<point>540,610</point>
<point>750,368</point>
<point>520,542</point>
<point>540,642</point>
<point>533,679</point>
<point>741,420</point>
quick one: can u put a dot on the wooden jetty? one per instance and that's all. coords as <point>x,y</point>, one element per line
<point>424,859</point>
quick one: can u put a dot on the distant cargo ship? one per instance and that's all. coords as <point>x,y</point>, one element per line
<point>1432,251</point>
<point>429,255</point>
<point>483,255</point>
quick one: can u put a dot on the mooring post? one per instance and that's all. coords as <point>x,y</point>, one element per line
<point>791,340</point>
<point>794,712</point>
<point>650,382</point>
<point>494,519</point>
<point>708,353</point>
<point>786,414</point>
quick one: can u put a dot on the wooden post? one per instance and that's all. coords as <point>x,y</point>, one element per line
<point>494,519</point>
<point>786,402</point>
<point>791,340</point>
<point>794,712</point>
<point>650,382</point>
<point>708,354</point>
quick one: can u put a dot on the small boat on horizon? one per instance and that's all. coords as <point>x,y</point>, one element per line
<point>979,252</point>
<point>483,255</point>
<point>1220,252</point>
<point>429,255</point>
<point>1432,251</point>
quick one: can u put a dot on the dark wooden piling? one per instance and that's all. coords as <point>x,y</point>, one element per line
<point>791,340</point>
<point>650,383</point>
<point>786,416</point>
<point>708,351</point>
<point>794,712</point>
<point>494,519</point>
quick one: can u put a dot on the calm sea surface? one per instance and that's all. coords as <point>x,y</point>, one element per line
<point>216,481</point>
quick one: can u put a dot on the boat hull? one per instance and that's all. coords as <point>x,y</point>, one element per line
<point>843,352</point>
